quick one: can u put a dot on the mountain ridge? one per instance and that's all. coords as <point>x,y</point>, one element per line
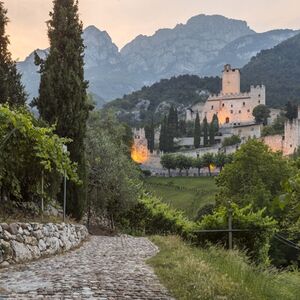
<point>191,48</point>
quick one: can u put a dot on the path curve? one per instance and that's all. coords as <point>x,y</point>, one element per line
<point>103,268</point>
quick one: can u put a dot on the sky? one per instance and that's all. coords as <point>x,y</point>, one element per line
<point>125,19</point>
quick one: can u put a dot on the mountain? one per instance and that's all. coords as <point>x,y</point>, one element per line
<point>279,70</point>
<point>239,52</point>
<point>198,47</point>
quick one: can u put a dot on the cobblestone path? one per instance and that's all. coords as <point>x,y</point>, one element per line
<point>103,268</point>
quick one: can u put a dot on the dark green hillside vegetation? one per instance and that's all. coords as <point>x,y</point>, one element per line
<point>279,70</point>
<point>185,89</point>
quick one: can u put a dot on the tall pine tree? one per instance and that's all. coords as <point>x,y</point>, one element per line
<point>62,95</point>
<point>197,132</point>
<point>163,135</point>
<point>205,132</point>
<point>212,133</point>
<point>11,89</point>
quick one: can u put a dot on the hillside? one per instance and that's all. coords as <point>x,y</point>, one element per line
<point>181,91</point>
<point>199,47</point>
<point>279,70</point>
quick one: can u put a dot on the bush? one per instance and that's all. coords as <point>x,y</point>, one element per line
<point>231,141</point>
<point>256,240</point>
<point>151,216</point>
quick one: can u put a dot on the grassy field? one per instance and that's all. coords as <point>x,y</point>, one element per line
<point>192,273</point>
<point>188,194</point>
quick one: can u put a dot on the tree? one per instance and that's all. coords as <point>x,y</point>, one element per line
<point>182,131</point>
<point>197,132</point>
<point>172,129</point>
<point>255,176</point>
<point>150,136</point>
<point>28,152</point>
<point>168,161</point>
<point>208,161</point>
<point>261,114</point>
<point>212,133</point>
<point>231,141</point>
<point>291,111</point>
<point>113,180</point>
<point>215,121</point>
<point>62,94</point>
<point>163,135</point>
<point>205,132</point>
<point>220,160</point>
<point>11,88</point>
<point>183,163</point>
<point>198,164</point>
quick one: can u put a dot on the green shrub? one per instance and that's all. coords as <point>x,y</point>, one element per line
<point>256,240</point>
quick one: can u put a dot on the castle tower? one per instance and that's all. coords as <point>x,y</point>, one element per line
<point>231,81</point>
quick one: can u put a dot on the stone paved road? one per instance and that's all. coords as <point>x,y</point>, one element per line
<point>103,268</point>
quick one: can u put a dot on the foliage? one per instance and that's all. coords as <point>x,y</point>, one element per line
<point>231,141</point>
<point>278,68</point>
<point>29,151</point>
<point>113,180</point>
<point>183,162</point>
<point>168,161</point>
<point>62,94</point>
<point>205,132</point>
<point>291,111</point>
<point>255,176</point>
<point>214,273</point>
<point>208,161</point>
<point>197,132</point>
<point>198,164</point>
<point>256,240</point>
<point>150,136</point>
<point>261,114</point>
<point>181,90</point>
<point>11,89</point>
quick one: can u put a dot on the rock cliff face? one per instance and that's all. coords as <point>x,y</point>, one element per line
<point>200,47</point>
<point>23,242</point>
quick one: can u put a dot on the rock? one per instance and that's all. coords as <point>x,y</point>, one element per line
<point>20,252</point>
<point>35,251</point>
<point>6,250</point>
<point>30,240</point>
<point>7,236</point>
<point>42,245</point>
<point>4,226</point>
<point>5,264</point>
<point>38,234</point>
<point>19,238</point>
<point>13,229</point>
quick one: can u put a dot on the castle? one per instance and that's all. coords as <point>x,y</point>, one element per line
<point>232,107</point>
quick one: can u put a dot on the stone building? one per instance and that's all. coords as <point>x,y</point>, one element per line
<point>231,106</point>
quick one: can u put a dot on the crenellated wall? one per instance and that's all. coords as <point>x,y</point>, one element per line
<point>20,242</point>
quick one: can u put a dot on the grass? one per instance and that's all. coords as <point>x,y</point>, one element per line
<point>193,273</point>
<point>188,194</point>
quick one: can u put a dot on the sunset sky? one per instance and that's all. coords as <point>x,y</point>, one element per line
<point>125,19</point>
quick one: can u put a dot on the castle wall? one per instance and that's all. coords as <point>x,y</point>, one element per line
<point>275,142</point>
<point>291,136</point>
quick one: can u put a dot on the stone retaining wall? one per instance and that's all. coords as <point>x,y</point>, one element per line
<point>20,242</point>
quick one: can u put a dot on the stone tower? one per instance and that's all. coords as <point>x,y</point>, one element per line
<point>231,81</point>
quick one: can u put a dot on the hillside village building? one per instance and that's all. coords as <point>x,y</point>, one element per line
<point>233,108</point>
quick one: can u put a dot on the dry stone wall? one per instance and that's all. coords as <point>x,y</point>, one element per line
<point>20,242</point>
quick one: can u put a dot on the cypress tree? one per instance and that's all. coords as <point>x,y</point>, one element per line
<point>197,132</point>
<point>205,132</point>
<point>215,121</point>
<point>150,136</point>
<point>62,94</point>
<point>212,133</point>
<point>11,89</point>
<point>163,135</point>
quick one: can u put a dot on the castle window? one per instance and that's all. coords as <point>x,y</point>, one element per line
<point>259,95</point>
<point>248,110</point>
<point>291,146</point>
<point>231,111</point>
<point>212,107</point>
<point>240,112</point>
<point>227,120</point>
<point>223,104</point>
<point>258,101</point>
<point>231,105</point>
<point>244,103</point>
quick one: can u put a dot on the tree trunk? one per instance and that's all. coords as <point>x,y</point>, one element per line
<point>169,172</point>
<point>199,172</point>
